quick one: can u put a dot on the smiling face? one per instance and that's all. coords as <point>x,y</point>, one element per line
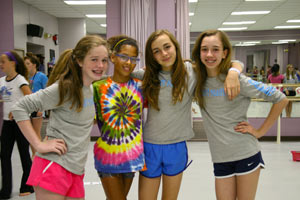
<point>212,53</point>
<point>94,64</point>
<point>124,68</point>
<point>164,52</point>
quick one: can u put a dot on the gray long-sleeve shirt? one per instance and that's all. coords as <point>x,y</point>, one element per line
<point>64,123</point>
<point>221,115</point>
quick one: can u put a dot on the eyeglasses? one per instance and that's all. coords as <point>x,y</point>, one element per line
<point>125,58</point>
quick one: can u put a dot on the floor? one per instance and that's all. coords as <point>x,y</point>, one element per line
<point>279,181</point>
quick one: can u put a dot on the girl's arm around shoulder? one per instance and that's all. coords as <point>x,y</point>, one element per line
<point>245,127</point>
<point>232,83</point>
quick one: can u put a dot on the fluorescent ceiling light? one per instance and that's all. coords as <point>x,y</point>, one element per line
<point>85,2</point>
<point>287,40</point>
<point>251,12</point>
<point>96,16</point>
<point>279,42</point>
<point>262,0</point>
<point>103,25</point>
<point>252,42</point>
<point>239,23</point>
<point>286,27</point>
<point>193,1</point>
<point>244,45</point>
<point>233,29</point>
<point>191,14</point>
<point>293,21</point>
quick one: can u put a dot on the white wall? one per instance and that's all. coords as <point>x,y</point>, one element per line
<point>25,14</point>
<point>71,30</point>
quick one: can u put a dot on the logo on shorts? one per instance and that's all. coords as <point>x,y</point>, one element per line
<point>249,164</point>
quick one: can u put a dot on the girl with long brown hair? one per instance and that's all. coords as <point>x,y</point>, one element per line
<point>232,140</point>
<point>168,86</point>
<point>58,167</point>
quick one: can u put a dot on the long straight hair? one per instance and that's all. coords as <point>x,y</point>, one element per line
<point>151,82</point>
<point>200,67</point>
<point>68,73</point>
<point>288,73</point>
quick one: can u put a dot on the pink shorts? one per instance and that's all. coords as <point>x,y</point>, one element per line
<point>53,177</point>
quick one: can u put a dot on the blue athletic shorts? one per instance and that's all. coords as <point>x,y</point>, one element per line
<point>239,167</point>
<point>167,159</point>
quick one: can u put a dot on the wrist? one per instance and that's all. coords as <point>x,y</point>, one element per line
<point>234,69</point>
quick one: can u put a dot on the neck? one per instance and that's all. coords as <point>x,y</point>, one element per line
<point>167,69</point>
<point>11,75</point>
<point>211,73</point>
<point>120,79</point>
<point>32,73</point>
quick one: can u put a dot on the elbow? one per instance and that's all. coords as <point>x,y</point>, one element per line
<point>285,101</point>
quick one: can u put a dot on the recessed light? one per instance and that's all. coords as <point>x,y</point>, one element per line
<point>190,23</point>
<point>286,27</point>
<point>85,2</point>
<point>293,21</point>
<point>96,16</point>
<point>193,1</point>
<point>233,29</point>
<point>251,12</point>
<point>239,23</point>
<point>103,25</point>
<point>191,14</point>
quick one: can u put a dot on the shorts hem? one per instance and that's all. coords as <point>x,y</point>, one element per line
<point>150,176</point>
<point>248,172</point>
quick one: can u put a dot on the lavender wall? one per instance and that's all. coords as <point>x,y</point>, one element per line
<point>165,15</point>
<point>6,35</point>
<point>113,21</point>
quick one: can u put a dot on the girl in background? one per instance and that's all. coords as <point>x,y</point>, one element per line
<point>13,86</point>
<point>119,152</point>
<point>168,86</point>
<point>58,167</point>
<point>290,78</point>
<point>275,76</point>
<point>232,140</point>
<point>38,81</point>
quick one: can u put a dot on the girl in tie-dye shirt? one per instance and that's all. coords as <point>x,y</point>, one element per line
<point>119,151</point>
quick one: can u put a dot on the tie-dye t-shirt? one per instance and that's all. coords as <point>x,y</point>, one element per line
<point>119,109</point>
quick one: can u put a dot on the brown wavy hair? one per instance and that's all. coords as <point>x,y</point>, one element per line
<point>33,59</point>
<point>151,82</point>
<point>200,67</point>
<point>68,73</point>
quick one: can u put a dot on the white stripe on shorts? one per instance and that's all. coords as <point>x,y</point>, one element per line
<point>47,167</point>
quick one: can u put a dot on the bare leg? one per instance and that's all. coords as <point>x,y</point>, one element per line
<point>42,194</point>
<point>171,186</point>
<point>127,185</point>
<point>288,109</point>
<point>226,188</point>
<point>148,188</point>
<point>247,185</point>
<point>37,125</point>
<point>114,187</point>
